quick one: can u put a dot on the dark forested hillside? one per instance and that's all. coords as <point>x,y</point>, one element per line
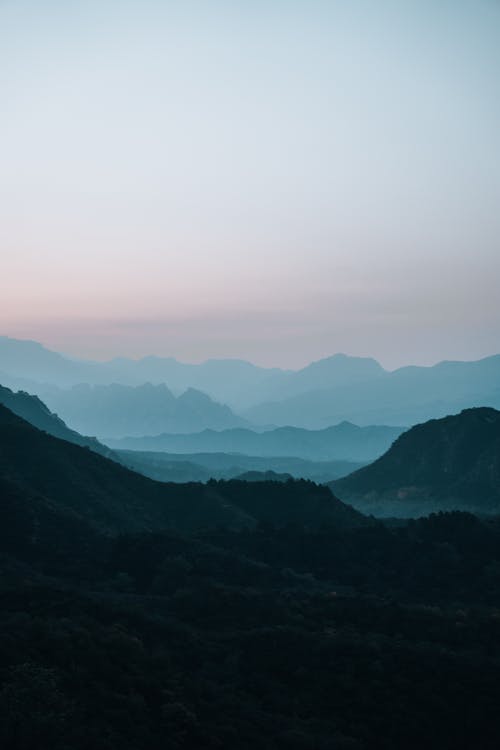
<point>267,615</point>
<point>113,498</point>
<point>442,464</point>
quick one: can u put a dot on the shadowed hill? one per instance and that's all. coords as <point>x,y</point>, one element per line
<point>447,463</point>
<point>304,631</point>
<point>111,498</point>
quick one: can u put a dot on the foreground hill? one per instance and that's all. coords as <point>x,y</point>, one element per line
<point>81,484</point>
<point>36,413</point>
<point>341,442</point>
<point>295,625</point>
<point>452,462</point>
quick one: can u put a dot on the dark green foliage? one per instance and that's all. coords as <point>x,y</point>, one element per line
<point>263,476</point>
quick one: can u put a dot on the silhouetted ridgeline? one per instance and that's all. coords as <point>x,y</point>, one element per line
<point>36,413</point>
<point>224,379</point>
<point>113,498</point>
<point>450,463</point>
<point>290,621</point>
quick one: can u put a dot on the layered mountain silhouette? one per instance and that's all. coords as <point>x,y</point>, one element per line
<point>449,463</point>
<point>408,395</point>
<point>28,364</point>
<point>117,410</point>
<point>342,442</point>
<point>326,392</point>
<point>52,476</point>
<point>332,372</point>
<point>34,411</point>
<point>200,467</point>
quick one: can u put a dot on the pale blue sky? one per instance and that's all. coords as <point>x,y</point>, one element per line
<point>272,180</point>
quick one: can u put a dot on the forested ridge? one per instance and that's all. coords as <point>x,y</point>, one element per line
<point>278,634</point>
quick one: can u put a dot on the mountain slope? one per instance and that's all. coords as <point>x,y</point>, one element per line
<point>35,412</point>
<point>79,483</point>
<point>452,462</point>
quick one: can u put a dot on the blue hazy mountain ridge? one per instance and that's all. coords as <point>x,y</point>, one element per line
<point>443,464</point>
<point>236,382</point>
<point>199,467</point>
<point>116,410</point>
<point>344,441</point>
<point>406,396</point>
<point>34,411</point>
<point>335,371</point>
<point>323,393</point>
<point>33,364</point>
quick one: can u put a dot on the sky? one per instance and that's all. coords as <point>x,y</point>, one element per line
<point>274,180</point>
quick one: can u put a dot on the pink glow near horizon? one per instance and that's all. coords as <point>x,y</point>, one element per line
<point>265,183</point>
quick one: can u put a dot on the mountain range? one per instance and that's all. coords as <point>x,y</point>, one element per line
<point>178,467</point>
<point>200,467</point>
<point>449,463</point>
<point>408,396</point>
<point>326,392</point>
<point>342,442</point>
<point>28,364</point>
<point>116,410</point>
<point>46,475</point>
